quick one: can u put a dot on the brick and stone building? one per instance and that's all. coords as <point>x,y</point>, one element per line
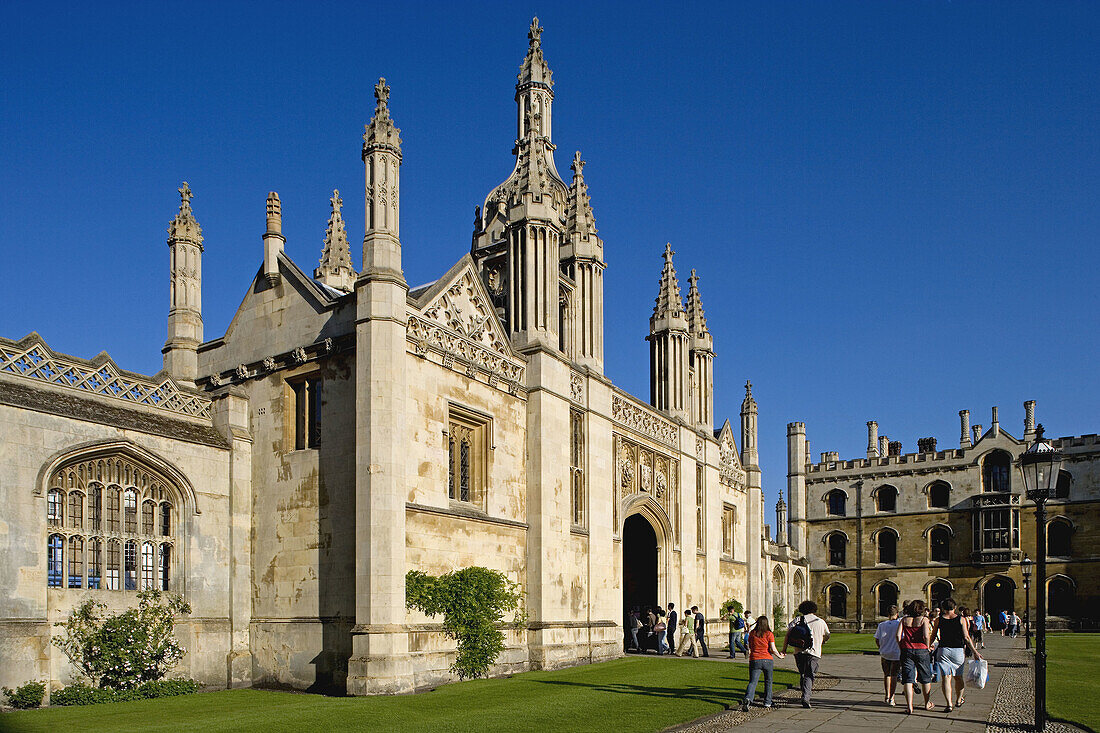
<point>347,428</point>
<point>894,526</point>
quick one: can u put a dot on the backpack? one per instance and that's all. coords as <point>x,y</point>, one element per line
<point>799,635</point>
<point>738,623</point>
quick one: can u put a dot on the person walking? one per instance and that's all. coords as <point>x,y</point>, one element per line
<point>737,632</point>
<point>977,625</point>
<point>1004,623</point>
<point>749,623</point>
<point>761,642</point>
<point>687,636</point>
<point>672,629</point>
<point>914,635</point>
<point>662,632</point>
<point>1017,624</point>
<point>950,657</point>
<point>886,637</point>
<point>634,623</point>
<point>700,630</point>
<point>807,659</point>
<point>650,628</point>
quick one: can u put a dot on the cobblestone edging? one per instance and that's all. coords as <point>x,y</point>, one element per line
<point>1014,706</point>
<point>730,718</point>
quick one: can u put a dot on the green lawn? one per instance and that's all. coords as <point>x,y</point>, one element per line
<point>1072,686</point>
<point>847,642</point>
<point>631,694</point>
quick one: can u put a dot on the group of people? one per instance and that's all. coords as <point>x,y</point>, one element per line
<point>672,633</point>
<point>924,644</point>
<point>1010,623</point>
<point>806,633</point>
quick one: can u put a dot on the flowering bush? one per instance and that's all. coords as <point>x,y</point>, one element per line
<point>121,651</point>
<point>81,694</point>
<point>26,696</point>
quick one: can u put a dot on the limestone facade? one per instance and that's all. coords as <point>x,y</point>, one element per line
<point>347,429</point>
<point>896,526</point>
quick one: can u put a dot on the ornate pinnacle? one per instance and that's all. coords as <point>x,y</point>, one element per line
<point>580,222</point>
<point>749,403</point>
<point>697,322</point>
<point>184,227</point>
<point>669,301</point>
<point>534,68</point>
<point>534,34</point>
<point>335,268</point>
<point>381,132</point>
<point>274,214</point>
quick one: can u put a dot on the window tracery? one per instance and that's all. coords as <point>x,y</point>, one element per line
<point>125,545</point>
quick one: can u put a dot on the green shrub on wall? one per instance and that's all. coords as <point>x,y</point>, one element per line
<point>779,618</point>
<point>731,609</point>
<point>26,696</point>
<point>473,602</point>
<point>123,650</point>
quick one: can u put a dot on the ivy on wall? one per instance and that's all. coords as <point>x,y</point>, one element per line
<point>473,602</point>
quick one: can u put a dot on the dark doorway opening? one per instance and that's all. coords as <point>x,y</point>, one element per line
<point>639,571</point>
<point>998,595</point>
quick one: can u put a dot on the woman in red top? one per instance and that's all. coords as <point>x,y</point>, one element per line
<point>761,650</point>
<point>914,636</point>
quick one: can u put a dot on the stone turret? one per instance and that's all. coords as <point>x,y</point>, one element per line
<point>379,660</point>
<point>872,439</point>
<point>669,345</point>
<point>273,238</point>
<point>797,454</point>
<point>335,269</point>
<point>964,427</point>
<point>701,359</point>
<point>781,522</point>
<point>181,356</point>
<point>582,255</point>
<point>518,234</point>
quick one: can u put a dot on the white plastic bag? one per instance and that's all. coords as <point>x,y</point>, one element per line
<point>977,673</point>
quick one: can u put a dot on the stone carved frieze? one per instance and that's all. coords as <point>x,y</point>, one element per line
<point>730,472</point>
<point>650,424</point>
<point>462,309</point>
<point>642,470</point>
<point>36,361</point>
<point>576,387</point>
<point>428,334</point>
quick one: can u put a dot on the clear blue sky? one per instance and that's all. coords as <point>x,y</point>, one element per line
<point>893,207</point>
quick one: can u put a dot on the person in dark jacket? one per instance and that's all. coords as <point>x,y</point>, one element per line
<point>700,630</point>
<point>673,618</point>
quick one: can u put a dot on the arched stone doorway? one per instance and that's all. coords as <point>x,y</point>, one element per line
<point>639,566</point>
<point>998,594</point>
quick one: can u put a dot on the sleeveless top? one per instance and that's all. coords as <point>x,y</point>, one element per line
<point>912,637</point>
<point>951,632</point>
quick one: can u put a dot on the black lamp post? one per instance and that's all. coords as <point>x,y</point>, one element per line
<point>1025,568</point>
<point>1040,464</point>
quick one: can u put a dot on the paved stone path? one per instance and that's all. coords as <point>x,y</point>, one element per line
<point>854,704</point>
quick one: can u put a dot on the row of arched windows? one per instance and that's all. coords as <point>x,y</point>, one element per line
<point>121,516</point>
<point>1059,543</point>
<point>97,564</point>
<point>1061,596</point>
<point>995,478</point>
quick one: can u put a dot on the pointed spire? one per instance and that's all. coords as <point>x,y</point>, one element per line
<point>336,269</point>
<point>534,70</point>
<point>580,222</point>
<point>669,300</point>
<point>749,403</point>
<point>697,321</point>
<point>184,228</point>
<point>381,132</point>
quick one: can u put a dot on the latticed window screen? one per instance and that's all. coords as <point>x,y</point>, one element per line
<point>95,508</point>
<point>700,515</point>
<point>76,562</point>
<point>576,466</point>
<point>113,497</point>
<point>95,565</point>
<point>54,503</point>
<point>130,569</point>
<point>148,516</point>
<point>55,560</point>
<point>76,510</point>
<point>130,510</point>
<point>467,448</point>
<point>148,565</point>
<point>113,567</point>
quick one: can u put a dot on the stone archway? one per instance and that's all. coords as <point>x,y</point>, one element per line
<point>998,594</point>
<point>640,554</point>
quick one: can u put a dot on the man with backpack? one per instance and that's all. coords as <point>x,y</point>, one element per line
<point>807,633</point>
<point>737,634</point>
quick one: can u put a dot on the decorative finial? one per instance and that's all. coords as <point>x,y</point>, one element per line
<point>185,195</point>
<point>668,252</point>
<point>184,227</point>
<point>274,214</point>
<point>748,387</point>
<point>335,200</point>
<point>382,92</point>
<point>535,33</point>
<point>577,166</point>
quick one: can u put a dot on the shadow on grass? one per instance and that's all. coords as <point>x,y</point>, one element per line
<point>726,698</point>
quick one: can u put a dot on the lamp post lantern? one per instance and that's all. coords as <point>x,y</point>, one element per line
<point>1040,465</point>
<point>1025,568</point>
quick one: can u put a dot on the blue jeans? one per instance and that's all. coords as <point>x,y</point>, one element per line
<point>756,667</point>
<point>662,645</point>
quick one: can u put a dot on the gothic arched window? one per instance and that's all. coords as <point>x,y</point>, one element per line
<point>1065,481</point>
<point>939,544</point>
<point>887,499</point>
<point>125,545</point>
<point>1060,596</point>
<point>838,547</point>
<point>836,503</point>
<point>995,472</point>
<point>887,541</point>
<point>1059,532</point>
<point>887,597</point>
<point>838,601</point>
<point>939,495</point>
<point>938,592</point>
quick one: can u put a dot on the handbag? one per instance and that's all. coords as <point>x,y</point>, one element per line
<point>660,626</point>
